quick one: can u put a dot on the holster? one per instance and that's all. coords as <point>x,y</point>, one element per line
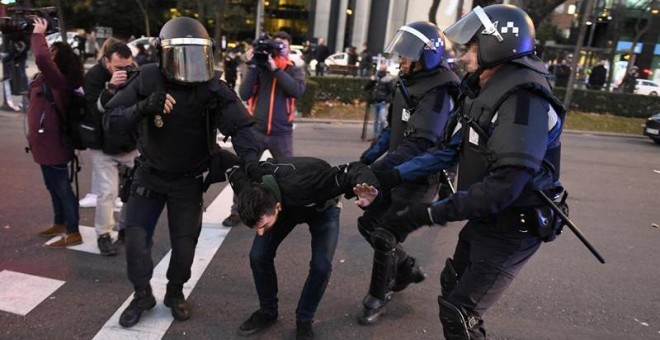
<point>126,174</point>
<point>541,221</point>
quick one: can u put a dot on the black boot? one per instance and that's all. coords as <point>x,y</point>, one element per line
<point>175,300</point>
<point>374,308</point>
<point>143,300</point>
<point>304,330</point>
<point>407,272</point>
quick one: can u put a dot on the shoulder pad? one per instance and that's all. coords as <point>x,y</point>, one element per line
<point>151,79</point>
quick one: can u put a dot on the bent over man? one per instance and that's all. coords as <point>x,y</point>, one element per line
<point>175,106</point>
<point>293,191</point>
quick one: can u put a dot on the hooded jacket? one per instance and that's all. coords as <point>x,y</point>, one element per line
<point>271,97</point>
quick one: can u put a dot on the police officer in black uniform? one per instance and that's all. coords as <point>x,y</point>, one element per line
<point>421,107</point>
<point>507,142</point>
<point>175,107</point>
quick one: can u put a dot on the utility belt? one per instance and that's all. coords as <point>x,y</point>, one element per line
<point>170,175</point>
<point>540,221</point>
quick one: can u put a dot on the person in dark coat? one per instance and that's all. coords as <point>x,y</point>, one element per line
<point>597,77</point>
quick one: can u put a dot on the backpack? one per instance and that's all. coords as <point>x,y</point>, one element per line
<point>71,124</point>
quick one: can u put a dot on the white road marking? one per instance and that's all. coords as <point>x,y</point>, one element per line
<point>20,292</point>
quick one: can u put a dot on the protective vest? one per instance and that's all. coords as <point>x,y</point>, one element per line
<point>478,119</point>
<point>179,142</point>
<point>408,119</point>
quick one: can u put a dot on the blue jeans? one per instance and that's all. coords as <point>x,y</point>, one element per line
<point>380,117</point>
<point>65,203</point>
<point>324,228</point>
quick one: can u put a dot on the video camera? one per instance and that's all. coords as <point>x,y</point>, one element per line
<point>21,19</point>
<point>265,46</point>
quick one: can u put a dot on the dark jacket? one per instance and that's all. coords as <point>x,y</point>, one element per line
<point>308,181</point>
<point>271,97</point>
<point>381,89</point>
<point>179,144</point>
<point>49,146</point>
<point>96,96</point>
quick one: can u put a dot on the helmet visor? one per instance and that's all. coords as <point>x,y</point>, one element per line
<point>467,27</point>
<point>187,60</point>
<point>408,42</point>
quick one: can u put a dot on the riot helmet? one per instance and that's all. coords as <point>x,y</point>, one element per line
<point>185,51</point>
<point>419,40</point>
<point>502,33</point>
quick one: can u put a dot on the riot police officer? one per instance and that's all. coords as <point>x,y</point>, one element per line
<point>507,142</point>
<point>175,107</point>
<point>422,103</point>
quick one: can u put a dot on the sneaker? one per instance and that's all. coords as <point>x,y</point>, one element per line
<point>89,201</point>
<point>69,239</point>
<point>231,220</point>
<point>258,321</point>
<point>106,246</point>
<point>54,230</point>
<point>118,204</point>
<point>304,330</point>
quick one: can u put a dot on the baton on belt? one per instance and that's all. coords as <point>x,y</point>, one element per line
<point>570,224</point>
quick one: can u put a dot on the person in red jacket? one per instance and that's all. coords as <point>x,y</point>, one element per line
<point>60,72</point>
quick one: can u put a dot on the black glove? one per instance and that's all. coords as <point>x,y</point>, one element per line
<point>403,220</point>
<point>253,170</point>
<point>219,162</point>
<point>388,179</point>
<point>152,105</point>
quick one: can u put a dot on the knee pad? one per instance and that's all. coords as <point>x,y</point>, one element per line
<point>456,324</point>
<point>383,240</point>
<point>448,278</point>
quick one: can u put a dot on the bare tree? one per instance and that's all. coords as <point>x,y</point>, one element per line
<point>642,24</point>
<point>145,13</point>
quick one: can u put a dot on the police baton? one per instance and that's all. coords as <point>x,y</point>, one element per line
<point>571,225</point>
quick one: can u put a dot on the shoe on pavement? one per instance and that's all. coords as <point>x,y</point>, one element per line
<point>372,311</point>
<point>143,300</point>
<point>231,220</point>
<point>408,272</point>
<point>54,230</point>
<point>304,330</point>
<point>258,321</point>
<point>89,201</point>
<point>175,300</point>
<point>68,240</point>
<point>106,247</point>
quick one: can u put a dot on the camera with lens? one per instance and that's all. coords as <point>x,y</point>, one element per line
<point>22,19</point>
<point>265,46</point>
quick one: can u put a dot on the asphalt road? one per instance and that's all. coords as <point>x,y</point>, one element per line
<point>563,292</point>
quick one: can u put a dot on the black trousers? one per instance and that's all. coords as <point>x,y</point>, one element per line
<point>150,193</point>
<point>486,262</point>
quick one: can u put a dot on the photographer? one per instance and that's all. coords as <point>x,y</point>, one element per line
<point>270,86</point>
<point>107,151</point>
<point>59,73</point>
